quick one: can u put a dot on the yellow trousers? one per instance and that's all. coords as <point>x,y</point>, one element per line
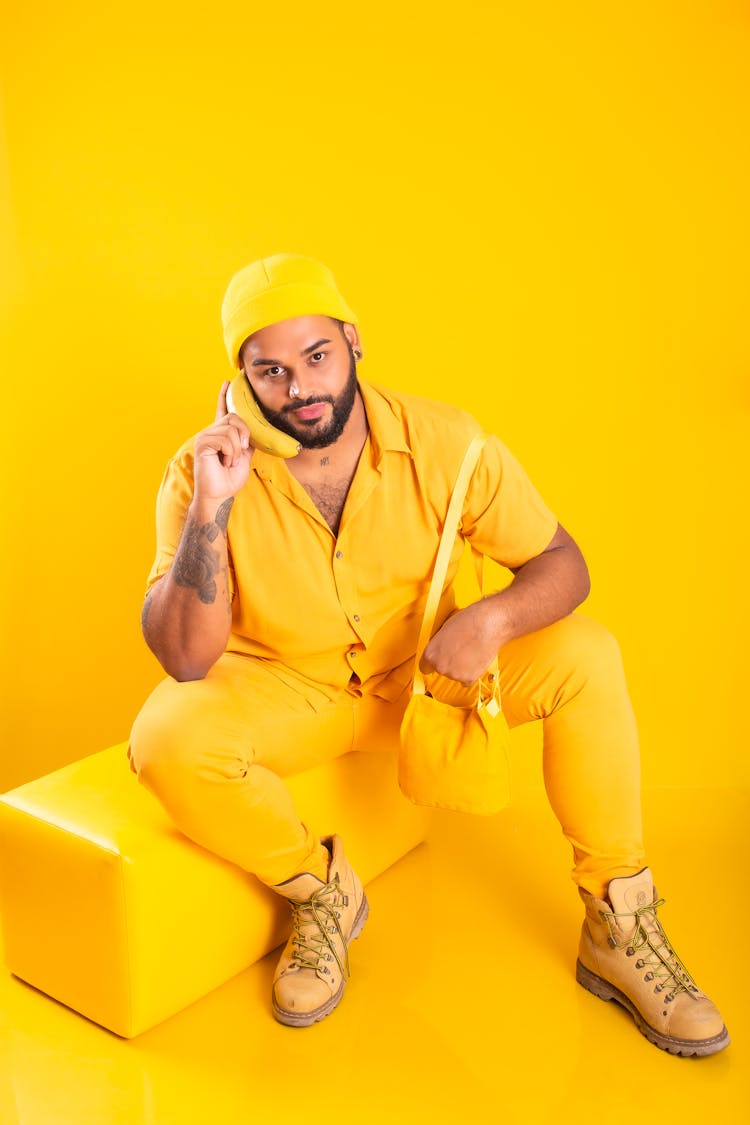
<point>215,751</point>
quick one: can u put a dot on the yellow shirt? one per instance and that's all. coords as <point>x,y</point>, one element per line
<point>343,612</point>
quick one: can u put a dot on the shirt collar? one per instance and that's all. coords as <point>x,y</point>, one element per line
<point>386,428</point>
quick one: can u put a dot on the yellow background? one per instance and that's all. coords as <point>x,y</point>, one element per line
<point>538,211</point>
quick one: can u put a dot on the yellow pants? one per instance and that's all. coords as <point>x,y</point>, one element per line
<point>215,751</point>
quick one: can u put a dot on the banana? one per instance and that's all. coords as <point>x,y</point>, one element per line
<point>263,435</point>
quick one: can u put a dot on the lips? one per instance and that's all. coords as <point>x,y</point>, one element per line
<point>309,413</point>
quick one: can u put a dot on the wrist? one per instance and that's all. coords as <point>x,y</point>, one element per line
<point>203,508</point>
<point>496,620</point>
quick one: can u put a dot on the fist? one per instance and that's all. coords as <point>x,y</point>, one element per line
<point>222,454</point>
<point>465,645</point>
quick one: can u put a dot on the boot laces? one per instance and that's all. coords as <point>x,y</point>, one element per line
<point>315,926</point>
<point>655,951</point>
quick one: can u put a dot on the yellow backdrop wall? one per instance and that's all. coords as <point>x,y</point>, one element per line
<point>538,211</point>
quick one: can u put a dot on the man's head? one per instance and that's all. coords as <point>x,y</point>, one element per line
<point>288,327</point>
<point>274,289</point>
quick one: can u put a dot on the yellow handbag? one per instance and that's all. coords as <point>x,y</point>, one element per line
<point>454,757</point>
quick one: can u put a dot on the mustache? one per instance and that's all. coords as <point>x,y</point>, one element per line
<point>300,404</point>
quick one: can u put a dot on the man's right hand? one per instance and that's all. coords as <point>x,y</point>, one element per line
<point>222,454</point>
<point>187,617</point>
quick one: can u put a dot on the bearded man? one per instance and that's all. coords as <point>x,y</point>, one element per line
<point>284,604</point>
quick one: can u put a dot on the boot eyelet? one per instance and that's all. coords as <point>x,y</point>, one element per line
<point>629,951</point>
<point>649,976</point>
<point>639,965</point>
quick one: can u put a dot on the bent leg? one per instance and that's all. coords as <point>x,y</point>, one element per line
<point>570,675</point>
<point>214,752</point>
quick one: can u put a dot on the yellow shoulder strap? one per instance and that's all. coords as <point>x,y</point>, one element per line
<point>450,527</point>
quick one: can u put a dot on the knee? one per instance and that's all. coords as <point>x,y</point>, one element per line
<point>177,736</point>
<point>586,647</point>
<point>160,740</point>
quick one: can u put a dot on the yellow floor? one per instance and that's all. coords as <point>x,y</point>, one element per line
<point>462,1006</point>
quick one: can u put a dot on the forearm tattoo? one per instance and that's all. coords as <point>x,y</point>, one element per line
<point>145,611</point>
<point>222,516</point>
<point>196,564</point>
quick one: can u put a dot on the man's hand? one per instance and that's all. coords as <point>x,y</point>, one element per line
<point>187,617</point>
<point>464,646</point>
<point>222,454</point>
<point>545,589</point>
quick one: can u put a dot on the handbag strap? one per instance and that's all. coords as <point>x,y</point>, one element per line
<point>450,527</point>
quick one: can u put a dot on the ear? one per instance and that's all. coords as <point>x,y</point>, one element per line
<point>352,336</point>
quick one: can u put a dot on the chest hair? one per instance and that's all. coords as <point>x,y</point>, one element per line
<point>329,498</point>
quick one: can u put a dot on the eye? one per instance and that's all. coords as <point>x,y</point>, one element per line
<point>321,354</point>
<point>273,372</point>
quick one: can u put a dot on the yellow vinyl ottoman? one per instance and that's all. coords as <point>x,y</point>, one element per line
<point>108,908</point>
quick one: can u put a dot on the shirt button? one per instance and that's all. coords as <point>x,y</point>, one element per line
<point>352,654</point>
<point>339,554</point>
<point>356,617</point>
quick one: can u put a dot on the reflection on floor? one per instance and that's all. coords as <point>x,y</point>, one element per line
<point>462,1004</point>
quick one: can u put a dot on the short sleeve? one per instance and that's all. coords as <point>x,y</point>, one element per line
<point>504,516</point>
<point>172,502</point>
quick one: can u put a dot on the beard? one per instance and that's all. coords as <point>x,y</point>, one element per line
<point>319,438</point>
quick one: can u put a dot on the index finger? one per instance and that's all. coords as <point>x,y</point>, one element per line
<point>221,406</point>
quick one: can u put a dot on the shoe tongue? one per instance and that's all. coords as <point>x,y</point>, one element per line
<point>627,894</point>
<point>301,888</point>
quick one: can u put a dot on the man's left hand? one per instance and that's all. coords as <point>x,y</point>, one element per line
<point>465,645</point>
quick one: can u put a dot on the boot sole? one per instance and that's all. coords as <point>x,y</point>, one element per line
<point>686,1047</point>
<point>305,1019</point>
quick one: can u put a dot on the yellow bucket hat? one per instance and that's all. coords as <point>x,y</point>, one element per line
<point>274,289</point>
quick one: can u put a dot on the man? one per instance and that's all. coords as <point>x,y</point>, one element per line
<point>287,593</point>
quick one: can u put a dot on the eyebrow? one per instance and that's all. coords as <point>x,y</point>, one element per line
<point>305,351</point>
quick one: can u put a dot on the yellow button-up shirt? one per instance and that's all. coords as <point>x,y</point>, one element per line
<point>342,613</point>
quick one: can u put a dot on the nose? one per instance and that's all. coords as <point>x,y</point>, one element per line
<point>299,385</point>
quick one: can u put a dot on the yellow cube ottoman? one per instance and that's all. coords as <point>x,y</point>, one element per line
<point>108,908</point>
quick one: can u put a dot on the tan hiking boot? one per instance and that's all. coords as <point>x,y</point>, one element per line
<point>624,955</point>
<point>310,977</point>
